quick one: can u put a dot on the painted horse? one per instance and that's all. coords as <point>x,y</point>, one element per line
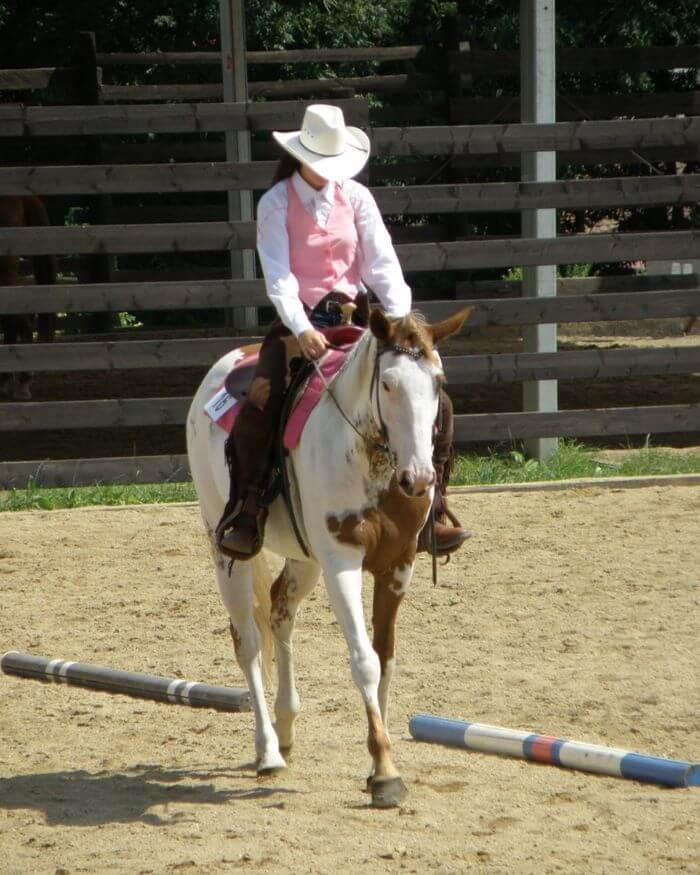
<point>18,328</point>
<point>362,498</point>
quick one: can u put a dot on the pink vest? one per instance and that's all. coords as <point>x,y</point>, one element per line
<point>322,259</point>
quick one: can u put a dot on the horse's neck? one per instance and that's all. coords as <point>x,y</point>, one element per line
<point>352,387</point>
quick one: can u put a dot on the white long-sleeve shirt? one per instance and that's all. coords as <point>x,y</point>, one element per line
<point>379,267</point>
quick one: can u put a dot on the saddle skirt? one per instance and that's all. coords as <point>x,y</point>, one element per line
<point>225,404</point>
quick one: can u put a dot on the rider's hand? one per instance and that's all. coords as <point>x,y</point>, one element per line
<point>313,344</point>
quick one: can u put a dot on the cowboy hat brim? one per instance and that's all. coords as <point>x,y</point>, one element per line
<point>333,167</point>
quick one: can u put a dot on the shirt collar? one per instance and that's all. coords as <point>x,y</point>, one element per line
<point>308,193</point>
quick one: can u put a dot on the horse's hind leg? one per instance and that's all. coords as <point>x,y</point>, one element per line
<point>294,583</point>
<point>236,588</point>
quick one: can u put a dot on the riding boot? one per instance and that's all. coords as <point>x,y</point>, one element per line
<point>240,532</point>
<point>448,538</point>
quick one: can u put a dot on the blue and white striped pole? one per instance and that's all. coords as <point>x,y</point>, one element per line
<point>554,751</point>
<point>129,683</point>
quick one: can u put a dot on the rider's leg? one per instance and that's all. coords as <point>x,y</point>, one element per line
<point>448,538</point>
<point>250,445</point>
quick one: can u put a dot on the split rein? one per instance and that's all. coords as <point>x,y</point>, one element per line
<point>384,447</point>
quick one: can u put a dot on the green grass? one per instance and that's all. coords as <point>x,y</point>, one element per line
<point>508,466</point>
<point>572,460</point>
<point>35,497</point>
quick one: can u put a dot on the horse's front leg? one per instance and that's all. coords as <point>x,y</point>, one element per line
<point>295,582</point>
<point>236,588</point>
<point>389,591</point>
<point>343,577</point>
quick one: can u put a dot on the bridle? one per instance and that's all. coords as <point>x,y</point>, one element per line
<point>383,446</point>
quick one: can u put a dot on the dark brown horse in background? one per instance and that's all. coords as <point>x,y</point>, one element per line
<point>24,212</point>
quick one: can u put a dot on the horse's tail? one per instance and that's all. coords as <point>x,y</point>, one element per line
<point>262,608</point>
<point>45,266</point>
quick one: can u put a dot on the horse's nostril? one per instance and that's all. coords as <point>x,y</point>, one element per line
<point>405,483</point>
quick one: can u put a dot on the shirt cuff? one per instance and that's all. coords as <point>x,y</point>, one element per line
<point>299,323</point>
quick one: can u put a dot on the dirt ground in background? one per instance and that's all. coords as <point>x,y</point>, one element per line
<point>569,613</point>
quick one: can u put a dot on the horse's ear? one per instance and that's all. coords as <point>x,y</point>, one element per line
<point>440,330</point>
<point>380,326</point>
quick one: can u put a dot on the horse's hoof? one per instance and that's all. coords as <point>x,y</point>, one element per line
<point>271,765</point>
<point>388,792</point>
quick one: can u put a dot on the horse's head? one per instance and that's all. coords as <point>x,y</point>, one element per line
<point>408,379</point>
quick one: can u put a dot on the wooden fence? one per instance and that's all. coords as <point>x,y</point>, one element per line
<point>405,153</point>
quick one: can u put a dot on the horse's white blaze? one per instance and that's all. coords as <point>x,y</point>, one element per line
<point>334,476</point>
<point>408,403</point>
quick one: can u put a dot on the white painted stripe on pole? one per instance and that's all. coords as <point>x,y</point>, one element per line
<point>172,689</point>
<point>61,676</point>
<point>480,736</point>
<point>591,757</point>
<point>52,668</point>
<point>185,692</point>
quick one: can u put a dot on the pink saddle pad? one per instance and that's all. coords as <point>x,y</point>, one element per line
<point>223,408</point>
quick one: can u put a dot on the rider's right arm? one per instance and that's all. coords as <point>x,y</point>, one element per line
<point>273,248</point>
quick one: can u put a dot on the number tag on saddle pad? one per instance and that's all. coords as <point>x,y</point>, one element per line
<point>223,407</point>
<point>220,409</point>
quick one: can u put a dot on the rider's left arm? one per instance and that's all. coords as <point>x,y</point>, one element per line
<point>379,264</point>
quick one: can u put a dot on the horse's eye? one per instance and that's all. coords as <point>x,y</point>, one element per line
<point>385,385</point>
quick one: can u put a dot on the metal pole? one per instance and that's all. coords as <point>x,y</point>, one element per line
<point>537,104</point>
<point>235,81</point>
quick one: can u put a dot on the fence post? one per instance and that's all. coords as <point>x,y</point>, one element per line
<point>537,104</point>
<point>87,88</point>
<point>240,203</point>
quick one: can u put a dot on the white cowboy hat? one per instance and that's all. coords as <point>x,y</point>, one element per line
<point>325,144</point>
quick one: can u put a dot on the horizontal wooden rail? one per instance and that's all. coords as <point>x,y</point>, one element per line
<point>589,308</point>
<point>32,78</point>
<point>620,421</point>
<point>223,236</point>
<point>392,200</point>
<point>562,194</point>
<point>574,365</point>
<point>31,121</point>
<point>89,356</point>
<point>166,237</point>
<point>22,121</point>
<point>87,472</point>
<point>469,428</point>
<point>509,252</point>
<point>460,139</point>
<point>292,56</point>
<point>591,60</point>
<point>120,296</point>
<point>209,294</point>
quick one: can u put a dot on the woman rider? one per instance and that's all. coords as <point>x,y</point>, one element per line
<point>321,241</point>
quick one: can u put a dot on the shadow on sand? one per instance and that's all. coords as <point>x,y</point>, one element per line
<point>82,798</point>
